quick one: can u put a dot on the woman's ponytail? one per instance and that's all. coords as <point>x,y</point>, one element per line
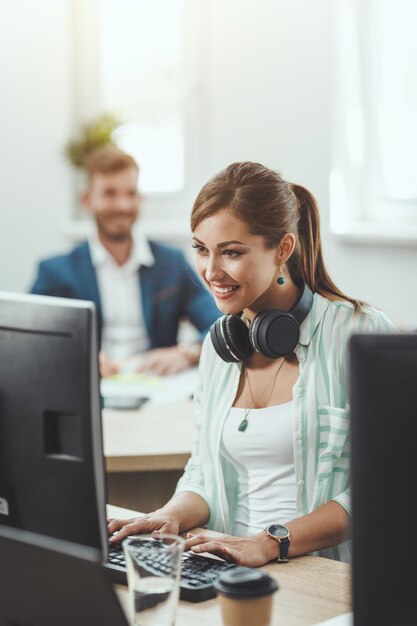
<point>272,207</point>
<point>307,261</point>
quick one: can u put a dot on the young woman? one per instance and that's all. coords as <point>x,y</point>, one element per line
<point>270,463</point>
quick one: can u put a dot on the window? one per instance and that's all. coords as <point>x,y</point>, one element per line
<point>373,186</point>
<point>139,61</point>
<point>142,76</point>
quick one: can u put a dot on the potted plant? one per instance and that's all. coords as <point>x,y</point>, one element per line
<point>91,136</point>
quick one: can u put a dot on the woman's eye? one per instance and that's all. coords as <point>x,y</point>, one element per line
<point>199,249</point>
<point>232,253</point>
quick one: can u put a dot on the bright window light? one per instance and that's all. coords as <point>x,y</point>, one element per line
<point>142,83</point>
<point>374,174</point>
<point>397,102</point>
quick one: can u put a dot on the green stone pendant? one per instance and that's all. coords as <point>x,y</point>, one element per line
<point>243,425</point>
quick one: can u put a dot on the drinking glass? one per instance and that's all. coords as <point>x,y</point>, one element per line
<point>153,576</point>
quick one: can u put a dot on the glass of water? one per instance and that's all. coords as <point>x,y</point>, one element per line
<point>153,576</point>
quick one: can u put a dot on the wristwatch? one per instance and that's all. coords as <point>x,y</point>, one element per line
<point>281,534</point>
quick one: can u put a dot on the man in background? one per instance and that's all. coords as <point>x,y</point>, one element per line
<point>142,289</point>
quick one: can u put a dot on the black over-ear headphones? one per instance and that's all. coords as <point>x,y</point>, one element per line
<point>272,333</point>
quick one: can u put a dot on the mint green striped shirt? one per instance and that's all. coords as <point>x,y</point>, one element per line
<point>321,421</point>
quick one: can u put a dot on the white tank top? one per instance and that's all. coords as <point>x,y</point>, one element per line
<point>263,457</point>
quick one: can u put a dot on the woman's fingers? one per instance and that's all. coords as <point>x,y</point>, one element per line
<point>214,547</point>
<point>120,529</point>
<point>194,540</point>
<point>232,555</point>
<point>239,550</point>
<point>205,543</point>
<point>114,524</point>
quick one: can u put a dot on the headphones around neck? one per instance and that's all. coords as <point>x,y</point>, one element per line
<point>272,333</point>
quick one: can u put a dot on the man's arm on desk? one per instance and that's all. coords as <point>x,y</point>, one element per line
<point>184,511</point>
<point>170,361</point>
<point>159,361</point>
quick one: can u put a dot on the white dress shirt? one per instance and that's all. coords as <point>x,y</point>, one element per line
<point>124,332</point>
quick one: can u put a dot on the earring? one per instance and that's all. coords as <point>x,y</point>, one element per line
<point>281,278</point>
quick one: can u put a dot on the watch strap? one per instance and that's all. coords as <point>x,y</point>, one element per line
<point>284,545</point>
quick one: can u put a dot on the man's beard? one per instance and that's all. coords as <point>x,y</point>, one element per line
<point>116,237</point>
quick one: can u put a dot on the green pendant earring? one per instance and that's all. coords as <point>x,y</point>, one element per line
<point>280,280</point>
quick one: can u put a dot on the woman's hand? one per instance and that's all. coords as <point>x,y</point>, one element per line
<point>184,510</point>
<point>153,523</point>
<point>250,551</point>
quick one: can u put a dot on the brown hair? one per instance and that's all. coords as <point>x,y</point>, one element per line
<point>108,160</point>
<point>272,207</point>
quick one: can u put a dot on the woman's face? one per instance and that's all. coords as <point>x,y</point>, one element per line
<point>238,268</point>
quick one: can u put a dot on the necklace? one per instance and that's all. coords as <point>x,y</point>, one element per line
<point>244,423</point>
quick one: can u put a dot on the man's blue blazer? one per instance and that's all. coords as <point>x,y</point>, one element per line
<point>170,290</point>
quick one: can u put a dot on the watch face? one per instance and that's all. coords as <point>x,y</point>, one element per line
<point>278,531</point>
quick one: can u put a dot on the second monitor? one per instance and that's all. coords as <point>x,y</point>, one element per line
<point>383,372</point>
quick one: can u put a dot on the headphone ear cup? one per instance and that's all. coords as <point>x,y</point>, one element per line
<point>274,333</point>
<point>238,335</point>
<point>216,335</point>
<point>230,339</point>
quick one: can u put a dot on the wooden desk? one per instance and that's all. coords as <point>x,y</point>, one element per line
<point>146,451</point>
<point>311,589</point>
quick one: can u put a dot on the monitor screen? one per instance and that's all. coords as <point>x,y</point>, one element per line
<point>383,392</point>
<point>51,452</point>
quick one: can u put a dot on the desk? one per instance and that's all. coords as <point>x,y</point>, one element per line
<point>146,451</point>
<point>311,589</point>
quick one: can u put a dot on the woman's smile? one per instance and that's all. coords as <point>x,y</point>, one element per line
<point>224,292</point>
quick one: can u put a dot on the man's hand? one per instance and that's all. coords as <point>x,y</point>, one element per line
<point>160,362</point>
<point>107,366</point>
<point>164,361</point>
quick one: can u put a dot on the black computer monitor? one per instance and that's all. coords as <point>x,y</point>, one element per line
<point>51,453</point>
<point>383,391</point>
<point>49,582</point>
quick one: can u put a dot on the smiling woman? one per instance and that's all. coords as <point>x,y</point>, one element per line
<point>239,269</point>
<point>270,464</point>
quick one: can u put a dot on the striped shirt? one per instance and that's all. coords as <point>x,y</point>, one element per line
<point>321,424</point>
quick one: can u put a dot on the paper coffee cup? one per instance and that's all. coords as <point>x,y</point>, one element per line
<point>246,596</point>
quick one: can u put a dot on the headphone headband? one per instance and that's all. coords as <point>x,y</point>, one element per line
<point>303,305</point>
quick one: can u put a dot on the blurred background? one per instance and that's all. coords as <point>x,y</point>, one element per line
<point>324,90</point>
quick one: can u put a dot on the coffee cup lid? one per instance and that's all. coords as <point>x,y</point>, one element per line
<point>242,582</point>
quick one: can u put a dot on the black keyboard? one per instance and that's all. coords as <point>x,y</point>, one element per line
<point>198,573</point>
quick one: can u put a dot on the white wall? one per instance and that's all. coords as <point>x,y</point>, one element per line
<point>35,117</point>
<point>268,69</point>
<point>270,98</point>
